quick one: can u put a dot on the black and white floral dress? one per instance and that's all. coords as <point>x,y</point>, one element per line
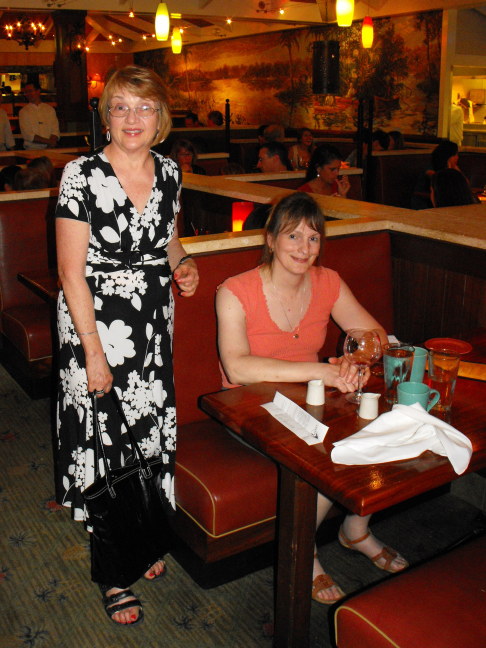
<point>128,273</point>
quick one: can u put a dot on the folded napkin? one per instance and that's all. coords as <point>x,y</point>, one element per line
<point>403,433</point>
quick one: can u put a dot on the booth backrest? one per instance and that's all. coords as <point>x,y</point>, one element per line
<point>26,241</point>
<point>363,261</point>
<point>473,165</point>
<point>393,177</point>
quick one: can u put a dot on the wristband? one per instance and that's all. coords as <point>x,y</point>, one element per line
<point>183,260</point>
<point>88,333</point>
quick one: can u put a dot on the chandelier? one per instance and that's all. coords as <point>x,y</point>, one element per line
<point>26,32</point>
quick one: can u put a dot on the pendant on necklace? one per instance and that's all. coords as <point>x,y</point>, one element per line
<point>296,336</point>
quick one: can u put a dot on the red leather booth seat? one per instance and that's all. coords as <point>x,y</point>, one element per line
<point>440,604</point>
<point>225,491</point>
<point>25,323</point>
<point>214,473</point>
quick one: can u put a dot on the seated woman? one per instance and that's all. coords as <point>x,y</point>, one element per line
<point>184,153</point>
<point>44,166</point>
<point>451,188</point>
<point>444,156</point>
<point>272,322</point>
<point>323,173</point>
<point>300,153</point>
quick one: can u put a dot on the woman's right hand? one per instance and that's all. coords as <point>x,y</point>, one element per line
<point>100,378</point>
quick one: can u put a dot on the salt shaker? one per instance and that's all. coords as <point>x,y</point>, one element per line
<point>315,393</point>
<point>368,407</point>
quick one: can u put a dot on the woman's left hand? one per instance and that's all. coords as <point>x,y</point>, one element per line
<point>349,372</point>
<point>186,277</point>
<point>343,186</point>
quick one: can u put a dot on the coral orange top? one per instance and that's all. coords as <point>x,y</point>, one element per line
<point>266,339</point>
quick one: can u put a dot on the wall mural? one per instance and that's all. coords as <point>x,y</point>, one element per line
<point>268,78</point>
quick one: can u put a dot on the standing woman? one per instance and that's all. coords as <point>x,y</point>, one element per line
<point>300,153</point>
<point>118,251</point>
<point>272,323</point>
<point>323,173</point>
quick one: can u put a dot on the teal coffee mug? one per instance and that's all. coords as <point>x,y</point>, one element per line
<point>409,393</point>
<point>418,366</point>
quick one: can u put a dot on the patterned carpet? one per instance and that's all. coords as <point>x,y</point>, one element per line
<point>48,601</point>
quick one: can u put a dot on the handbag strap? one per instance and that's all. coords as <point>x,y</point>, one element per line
<point>100,446</point>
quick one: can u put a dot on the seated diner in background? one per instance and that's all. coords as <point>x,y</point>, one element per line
<point>184,153</point>
<point>450,188</point>
<point>29,178</point>
<point>191,120</point>
<point>397,143</point>
<point>444,156</point>
<point>215,118</point>
<point>7,177</point>
<point>273,158</point>
<point>272,322</point>
<point>380,141</point>
<point>37,120</point>
<point>43,165</point>
<point>322,176</point>
<point>7,141</point>
<point>273,133</point>
<point>300,153</point>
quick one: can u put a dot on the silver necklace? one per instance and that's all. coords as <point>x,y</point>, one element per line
<point>296,329</point>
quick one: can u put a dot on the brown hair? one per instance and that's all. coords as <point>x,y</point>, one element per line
<point>286,216</point>
<point>143,83</point>
<point>180,144</point>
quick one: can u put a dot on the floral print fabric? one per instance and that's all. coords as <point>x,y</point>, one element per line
<point>128,274</point>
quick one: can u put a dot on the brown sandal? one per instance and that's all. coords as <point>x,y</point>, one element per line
<point>324,582</point>
<point>387,553</point>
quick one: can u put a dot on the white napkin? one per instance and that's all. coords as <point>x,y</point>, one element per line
<point>403,433</point>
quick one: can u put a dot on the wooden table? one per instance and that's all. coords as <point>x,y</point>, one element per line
<point>307,469</point>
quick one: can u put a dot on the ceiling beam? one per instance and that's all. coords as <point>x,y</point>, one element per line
<point>102,27</point>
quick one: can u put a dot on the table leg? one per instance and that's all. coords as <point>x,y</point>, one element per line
<point>296,535</point>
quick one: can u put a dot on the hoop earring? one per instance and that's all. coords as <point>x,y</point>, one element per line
<point>108,136</point>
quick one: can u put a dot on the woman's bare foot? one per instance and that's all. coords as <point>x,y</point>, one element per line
<point>382,557</point>
<point>157,570</point>
<point>320,592</point>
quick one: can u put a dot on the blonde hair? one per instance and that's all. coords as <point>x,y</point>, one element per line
<point>141,82</point>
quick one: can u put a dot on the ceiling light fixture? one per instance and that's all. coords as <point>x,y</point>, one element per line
<point>162,22</point>
<point>344,12</point>
<point>176,40</point>
<point>367,32</point>
<point>26,32</point>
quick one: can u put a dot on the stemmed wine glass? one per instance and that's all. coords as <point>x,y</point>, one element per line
<point>362,347</point>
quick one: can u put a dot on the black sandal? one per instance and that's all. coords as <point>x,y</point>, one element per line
<point>109,603</point>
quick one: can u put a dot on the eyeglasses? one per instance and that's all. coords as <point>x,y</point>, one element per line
<point>121,110</point>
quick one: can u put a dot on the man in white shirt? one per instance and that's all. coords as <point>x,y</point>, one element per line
<point>38,121</point>
<point>456,125</point>
<point>6,138</point>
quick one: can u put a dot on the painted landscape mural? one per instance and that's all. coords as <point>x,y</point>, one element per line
<point>268,78</point>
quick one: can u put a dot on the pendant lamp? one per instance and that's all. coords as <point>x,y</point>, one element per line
<point>162,22</point>
<point>367,32</point>
<point>344,12</point>
<point>176,40</point>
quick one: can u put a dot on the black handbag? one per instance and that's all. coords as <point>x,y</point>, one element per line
<point>130,531</point>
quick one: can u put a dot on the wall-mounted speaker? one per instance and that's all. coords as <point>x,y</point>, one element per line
<point>325,67</point>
